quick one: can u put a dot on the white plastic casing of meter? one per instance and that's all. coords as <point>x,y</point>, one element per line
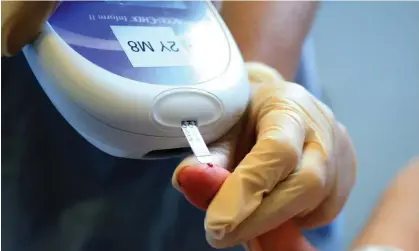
<point>127,118</point>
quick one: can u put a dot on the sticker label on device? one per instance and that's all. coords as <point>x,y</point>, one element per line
<point>151,46</point>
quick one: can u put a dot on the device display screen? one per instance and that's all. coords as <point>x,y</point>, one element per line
<point>157,42</point>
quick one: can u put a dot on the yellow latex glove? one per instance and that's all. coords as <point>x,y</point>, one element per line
<point>21,22</point>
<point>291,160</point>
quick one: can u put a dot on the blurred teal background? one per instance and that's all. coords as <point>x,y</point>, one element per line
<point>368,64</point>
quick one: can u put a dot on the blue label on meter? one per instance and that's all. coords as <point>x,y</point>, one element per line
<point>157,42</point>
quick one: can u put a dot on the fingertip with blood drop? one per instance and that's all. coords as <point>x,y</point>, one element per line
<point>200,183</point>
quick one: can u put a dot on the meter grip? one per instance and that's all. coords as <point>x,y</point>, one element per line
<point>21,22</point>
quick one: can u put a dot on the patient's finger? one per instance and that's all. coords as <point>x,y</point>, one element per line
<point>200,183</point>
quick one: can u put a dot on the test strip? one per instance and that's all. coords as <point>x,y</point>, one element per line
<point>196,142</point>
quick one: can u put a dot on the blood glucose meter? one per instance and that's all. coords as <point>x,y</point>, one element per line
<point>127,74</point>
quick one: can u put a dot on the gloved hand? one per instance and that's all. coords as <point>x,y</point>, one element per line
<point>289,158</point>
<point>21,22</point>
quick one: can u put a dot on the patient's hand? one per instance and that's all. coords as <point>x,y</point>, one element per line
<point>201,183</point>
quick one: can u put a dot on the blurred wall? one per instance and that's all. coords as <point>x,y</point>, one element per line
<point>368,63</point>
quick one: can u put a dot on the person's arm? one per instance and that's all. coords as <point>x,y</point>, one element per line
<point>395,222</point>
<point>271,32</point>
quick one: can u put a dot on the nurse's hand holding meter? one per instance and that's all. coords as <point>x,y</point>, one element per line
<point>290,160</point>
<point>289,157</point>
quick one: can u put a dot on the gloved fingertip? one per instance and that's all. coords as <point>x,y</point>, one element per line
<point>200,183</point>
<point>262,73</point>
